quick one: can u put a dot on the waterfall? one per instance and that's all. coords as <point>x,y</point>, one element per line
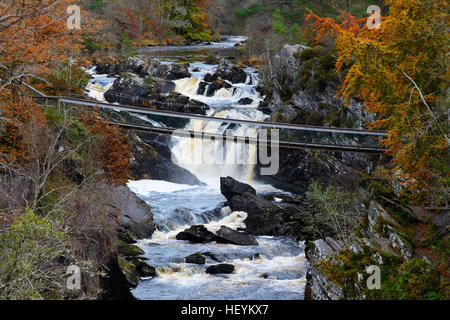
<point>210,159</point>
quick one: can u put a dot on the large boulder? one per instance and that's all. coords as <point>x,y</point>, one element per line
<point>227,235</point>
<point>228,71</point>
<point>178,71</point>
<point>157,69</point>
<point>134,65</point>
<point>210,77</point>
<point>196,234</point>
<point>167,86</point>
<point>126,90</point>
<point>263,216</point>
<point>152,160</point>
<point>230,187</point>
<point>245,101</point>
<point>220,268</point>
<point>135,215</point>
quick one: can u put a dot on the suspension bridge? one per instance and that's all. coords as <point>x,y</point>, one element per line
<point>144,119</point>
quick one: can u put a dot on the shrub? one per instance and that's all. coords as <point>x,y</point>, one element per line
<point>335,209</point>
<point>34,253</point>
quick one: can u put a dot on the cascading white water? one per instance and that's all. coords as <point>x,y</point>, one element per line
<point>209,160</point>
<point>273,270</point>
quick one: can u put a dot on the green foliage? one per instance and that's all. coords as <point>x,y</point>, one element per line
<point>317,70</point>
<point>126,46</point>
<point>67,79</point>
<point>97,5</point>
<point>30,251</point>
<point>149,81</point>
<point>77,133</point>
<point>335,209</point>
<point>91,45</point>
<point>414,280</point>
<point>246,12</point>
<point>54,118</point>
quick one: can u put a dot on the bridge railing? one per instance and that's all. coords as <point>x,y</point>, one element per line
<point>161,121</point>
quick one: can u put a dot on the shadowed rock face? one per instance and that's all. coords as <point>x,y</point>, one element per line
<point>135,215</point>
<point>263,216</point>
<point>230,188</point>
<point>199,234</point>
<point>153,161</point>
<point>228,71</point>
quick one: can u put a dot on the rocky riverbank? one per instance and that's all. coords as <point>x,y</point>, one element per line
<point>126,265</point>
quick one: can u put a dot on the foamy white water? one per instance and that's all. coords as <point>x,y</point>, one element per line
<point>209,160</point>
<point>276,268</point>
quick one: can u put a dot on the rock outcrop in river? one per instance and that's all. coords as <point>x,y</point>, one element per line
<point>149,84</point>
<point>263,217</point>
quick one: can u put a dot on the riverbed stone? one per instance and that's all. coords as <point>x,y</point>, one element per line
<point>196,258</point>
<point>222,268</point>
<point>196,234</point>
<point>227,235</point>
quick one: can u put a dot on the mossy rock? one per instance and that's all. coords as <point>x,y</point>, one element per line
<point>128,249</point>
<point>196,258</point>
<point>130,272</point>
<point>143,269</point>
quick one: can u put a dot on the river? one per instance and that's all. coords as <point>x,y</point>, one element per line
<point>276,268</point>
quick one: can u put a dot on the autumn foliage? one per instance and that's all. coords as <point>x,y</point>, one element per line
<point>111,150</point>
<point>400,72</point>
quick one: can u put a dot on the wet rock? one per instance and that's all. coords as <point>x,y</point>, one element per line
<point>196,258</point>
<point>202,87</point>
<point>156,69</point>
<point>143,269</point>
<point>137,66</point>
<point>227,235</point>
<point>228,71</point>
<point>115,285</point>
<point>178,71</point>
<point>126,90</point>
<point>230,187</point>
<point>129,250</point>
<point>209,77</point>
<point>196,234</point>
<point>135,215</point>
<point>154,162</point>
<point>263,216</point>
<point>216,86</point>
<point>213,256</point>
<point>134,65</point>
<point>245,101</point>
<point>167,86</point>
<point>104,68</point>
<point>222,268</point>
<point>130,272</point>
<point>282,275</point>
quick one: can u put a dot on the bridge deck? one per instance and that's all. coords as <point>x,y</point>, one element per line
<point>63,101</point>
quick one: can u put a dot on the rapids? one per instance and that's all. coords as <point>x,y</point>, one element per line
<point>275,269</point>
